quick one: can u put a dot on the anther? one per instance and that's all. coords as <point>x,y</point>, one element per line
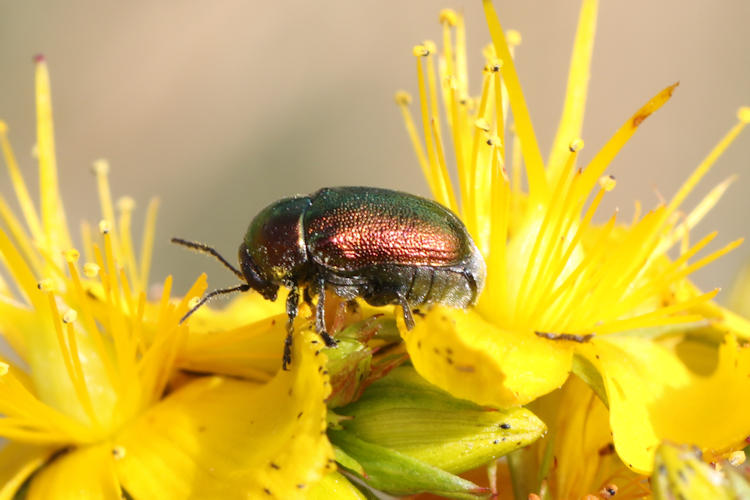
<point>575,145</point>
<point>608,491</point>
<point>482,124</point>
<point>193,302</point>
<point>449,17</point>
<point>495,65</point>
<point>104,226</point>
<point>90,270</point>
<point>125,204</point>
<point>430,46</point>
<point>513,37</point>
<point>420,51</point>
<point>743,114</point>
<point>70,316</point>
<point>100,166</point>
<point>607,183</point>
<point>403,98</point>
<point>46,285</point>
<point>737,458</point>
<point>71,255</point>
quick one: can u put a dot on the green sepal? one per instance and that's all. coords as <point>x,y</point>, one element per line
<point>586,371</point>
<point>405,413</point>
<point>399,474</point>
<point>347,461</point>
<point>680,473</point>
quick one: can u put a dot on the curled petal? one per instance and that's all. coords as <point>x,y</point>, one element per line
<point>17,462</point>
<point>224,438</point>
<point>82,473</point>
<point>653,396</point>
<point>460,352</point>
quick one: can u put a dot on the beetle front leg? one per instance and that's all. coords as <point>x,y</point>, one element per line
<point>292,303</point>
<point>408,318</point>
<point>320,315</point>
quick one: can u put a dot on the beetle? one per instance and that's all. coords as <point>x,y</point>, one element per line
<point>384,246</point>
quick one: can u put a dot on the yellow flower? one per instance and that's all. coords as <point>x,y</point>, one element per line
<point>91,401</point>
<point>562,292</point>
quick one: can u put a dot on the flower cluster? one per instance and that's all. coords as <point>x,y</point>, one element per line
<point>589,363</point>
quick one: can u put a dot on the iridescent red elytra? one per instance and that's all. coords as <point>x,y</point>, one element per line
<point>386,247</point>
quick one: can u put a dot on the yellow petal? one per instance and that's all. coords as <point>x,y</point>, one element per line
<point>247,307</point>
<point>225,438</point>
<point>460,352</point>
<point>654,397</point>
<point>17,463</point>
<point>250,351</point>
<point>581,432</point>
<point>82,473</point>
<point>334,485</point>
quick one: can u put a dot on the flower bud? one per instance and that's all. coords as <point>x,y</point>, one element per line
<point>679,472</point>
<point>409,436</point>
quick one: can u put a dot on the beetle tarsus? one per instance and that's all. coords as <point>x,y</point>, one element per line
<point>329,341</point>
<point>292,303</point>
<point>286,359</point>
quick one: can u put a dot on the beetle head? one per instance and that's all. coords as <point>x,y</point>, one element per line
<point>254,277</point>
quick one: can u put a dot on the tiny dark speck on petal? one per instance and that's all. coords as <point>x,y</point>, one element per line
<point>505,425</point>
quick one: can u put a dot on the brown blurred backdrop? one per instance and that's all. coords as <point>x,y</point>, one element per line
<point>223,107</point>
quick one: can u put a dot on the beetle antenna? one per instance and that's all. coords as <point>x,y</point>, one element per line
<point>200,247</point>
<point>221,291</point>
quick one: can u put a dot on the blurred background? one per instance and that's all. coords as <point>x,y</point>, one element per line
<point>222,107</point>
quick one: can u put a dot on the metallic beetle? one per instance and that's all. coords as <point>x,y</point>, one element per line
<point>386,247</point>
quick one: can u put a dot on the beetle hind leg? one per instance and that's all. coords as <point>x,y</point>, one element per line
<point>408,318</point>
<point>320,315</point>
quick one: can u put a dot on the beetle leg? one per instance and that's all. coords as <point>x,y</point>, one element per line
<point>408,318</point>
<point>320,315</point>
<point>307,297</point>
<point>292,303</point>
